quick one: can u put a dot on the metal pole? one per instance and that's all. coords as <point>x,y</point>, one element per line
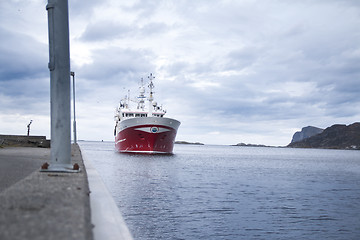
<point>59,66</point>
<point>28,127</point>
<point>74,122</point>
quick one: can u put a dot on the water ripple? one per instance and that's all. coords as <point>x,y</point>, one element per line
<point>220,192</point>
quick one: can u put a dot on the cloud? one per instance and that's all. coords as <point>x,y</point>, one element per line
<point>114,63</point>
<point>248,71</point>
<point>21,56</point>
<point>105,31</point>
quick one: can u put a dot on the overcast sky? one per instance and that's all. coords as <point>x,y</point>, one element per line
<point>231,71</point>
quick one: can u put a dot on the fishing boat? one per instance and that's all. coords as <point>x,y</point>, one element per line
<point>141,126</point>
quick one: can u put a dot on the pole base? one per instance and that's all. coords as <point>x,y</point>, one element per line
<point>66,168</point>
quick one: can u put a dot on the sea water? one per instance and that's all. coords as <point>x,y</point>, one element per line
<point>230,192</point>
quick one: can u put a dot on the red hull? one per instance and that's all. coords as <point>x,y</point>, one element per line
<point>153,138</point>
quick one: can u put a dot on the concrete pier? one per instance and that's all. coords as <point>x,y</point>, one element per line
<point>43,205</point>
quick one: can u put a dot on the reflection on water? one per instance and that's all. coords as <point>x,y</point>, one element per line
<point>226,192</point>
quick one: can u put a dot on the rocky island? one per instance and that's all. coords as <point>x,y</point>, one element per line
<point>250,145</point>
<point>190,143</point>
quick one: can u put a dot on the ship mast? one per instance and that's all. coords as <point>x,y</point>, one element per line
<point>128,99</point>
<point>141,96</point>
<point>151,98</point>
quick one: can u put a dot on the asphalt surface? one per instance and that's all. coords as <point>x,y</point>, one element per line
<point>42,205</point>
<point>17,163</point>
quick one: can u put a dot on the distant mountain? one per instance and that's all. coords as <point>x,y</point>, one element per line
<point>306,132</point>
<point>338,136</point>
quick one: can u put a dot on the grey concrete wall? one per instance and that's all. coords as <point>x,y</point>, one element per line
<point>23,141</point>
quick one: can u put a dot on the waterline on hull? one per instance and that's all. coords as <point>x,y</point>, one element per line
<point>146,152</point>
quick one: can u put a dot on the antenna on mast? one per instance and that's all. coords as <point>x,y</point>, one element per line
<point>151,86</point>
<point>128,99</point>
<point>151,98</point>
<point>141,96</point>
